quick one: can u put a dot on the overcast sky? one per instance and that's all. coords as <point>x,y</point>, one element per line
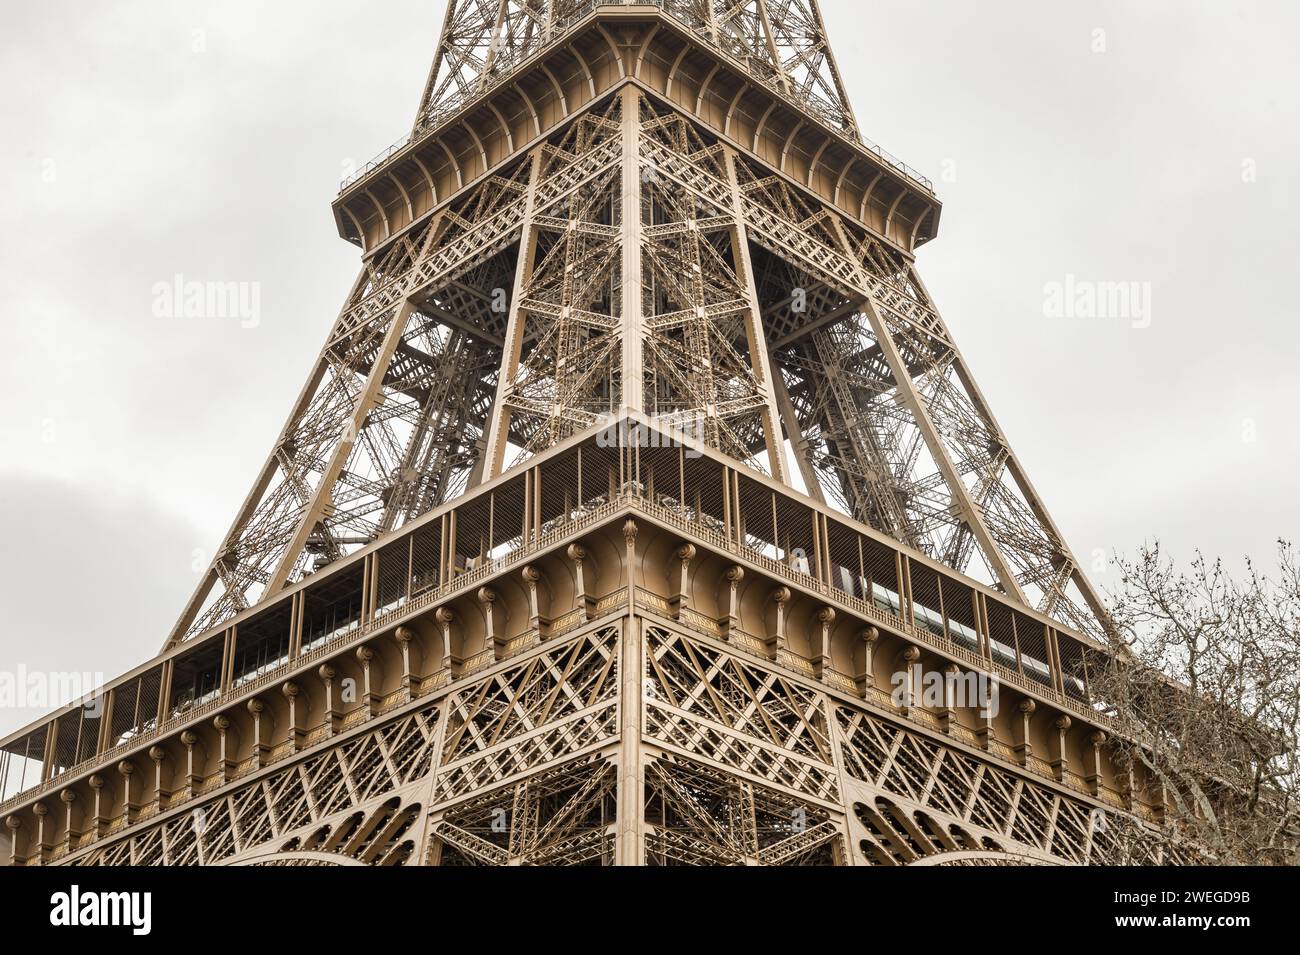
<point>1114,142</point>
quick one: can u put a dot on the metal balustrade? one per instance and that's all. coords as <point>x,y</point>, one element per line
<point>507,68</point>
<point>597,509</point>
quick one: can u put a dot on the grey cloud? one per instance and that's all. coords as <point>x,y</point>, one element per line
<point>91,581</point>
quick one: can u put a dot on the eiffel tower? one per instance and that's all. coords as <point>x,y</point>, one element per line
<point>639,509</point>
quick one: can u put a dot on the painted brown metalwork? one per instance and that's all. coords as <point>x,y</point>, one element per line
<point>638,485</point>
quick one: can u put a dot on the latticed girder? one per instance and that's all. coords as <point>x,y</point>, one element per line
<point>394,418</point>
<point>634,259</point>
<point>736,759</point>
<point>891,419</point>
<point>633,246</point>
<point>633,295</point>
<point>781,44</point>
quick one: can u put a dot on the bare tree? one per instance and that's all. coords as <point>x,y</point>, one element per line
<point>1206,684</point>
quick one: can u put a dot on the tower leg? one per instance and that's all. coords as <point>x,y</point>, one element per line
<point>631,769</point>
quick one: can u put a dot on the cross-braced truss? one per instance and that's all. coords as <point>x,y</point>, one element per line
<point>388,425</point>
<point>395,417</point>
<point>635,260</point>
<point>699,815</point>
<point>561,817</point>
<point>782,44</point>
<point>739,763</point>
<point>320,805</point>
<point>922,798</point>
<point>560,703</point>
<point>704,363</point>
<point>563,368</point>
<point>879,398</point>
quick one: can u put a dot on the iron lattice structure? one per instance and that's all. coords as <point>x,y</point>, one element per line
<point>637,465</point>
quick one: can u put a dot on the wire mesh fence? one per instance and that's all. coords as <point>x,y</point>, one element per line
<point>22,763</point>
<point>393,576</point>
<point>76,736</point>
<point>196,678</point>
<point>727,507</point>
<point>135,707</point>
<point>1035,655</point>
<point>331,609</point>
<point>1074,667</point>
<point>262,645</point>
